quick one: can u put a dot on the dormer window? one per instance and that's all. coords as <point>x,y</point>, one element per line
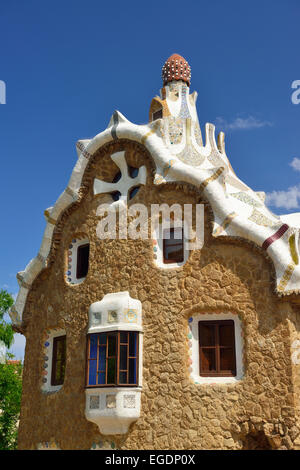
<point>157,114</point>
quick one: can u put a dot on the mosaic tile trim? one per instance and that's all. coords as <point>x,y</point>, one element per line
<point>103,445</point>
<point>175,130</point>
<point>184,112</point>
<point>52,445</point>
<point>155,248</point>
<point>72,258</point>
<point>293,250</point>
<point>286,277</point>
<point>190,352</point>
<point>94,402</point>
<point>158,179</point>
<point>275,237</point>
<point>190,156</point>
<point>115,125</point>
<point>97,318</point>
<point>244,197</point>
<point>236,183</point>
<point>129,401</point>
<point>167,167</point>
<point>84,152</point>
<point>176,68</point>
<point>211,178</point>
<point>198,135</point>
<point>215,159</point>
<point>260,219</point>
<point>110,401</point>
<point>112,316</point>
<point>226,222</point>
<point>156,126</point>
<point>46,372</point>
<point>130,315</point>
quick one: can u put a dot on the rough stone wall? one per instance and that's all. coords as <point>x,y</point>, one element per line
<point>225,276</point>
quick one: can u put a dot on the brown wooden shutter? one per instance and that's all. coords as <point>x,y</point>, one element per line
<point>217,348</point>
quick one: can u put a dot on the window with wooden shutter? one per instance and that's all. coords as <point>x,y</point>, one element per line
<point>58,360</point>
<point>173,245</point>
<point>83,252</point>
<point>217,348</point>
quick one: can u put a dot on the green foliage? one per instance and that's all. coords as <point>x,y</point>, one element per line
<point>10,401</point>
<point>6,331</point>
<point>10,382</point>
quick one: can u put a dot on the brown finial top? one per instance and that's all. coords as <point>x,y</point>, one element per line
<point>176,68</point>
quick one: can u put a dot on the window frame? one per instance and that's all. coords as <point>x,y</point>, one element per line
<point>117,383</point>
<point>53,381</point>
<point>158,114</point>
<point>78,260</point>
<point>158,240</point>
<point>176,241</point>
<point>217,348</point>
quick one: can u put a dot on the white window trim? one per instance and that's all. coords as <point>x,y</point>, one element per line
<point>193,336</point>
<point>158,248</point>
<point>48,352</point>
<point>72,265</point>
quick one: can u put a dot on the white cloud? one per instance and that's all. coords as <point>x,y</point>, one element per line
<point>240,123</point>
<point>295,164</point>
<point>289,199</point>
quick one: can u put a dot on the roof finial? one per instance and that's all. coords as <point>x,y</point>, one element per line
<point>176,68</point>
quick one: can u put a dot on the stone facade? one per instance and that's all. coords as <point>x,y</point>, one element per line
<point>227,275</point>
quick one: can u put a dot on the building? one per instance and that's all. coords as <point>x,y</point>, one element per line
<point>161,341</point>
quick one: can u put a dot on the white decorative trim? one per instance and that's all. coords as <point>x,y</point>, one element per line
<point>158,247</point>
<point>127,314</point>
<point>194,348</point>
<point>211,177</point>
<point>70,274</point>
<point>48,358</point>
<point>124,184</point>
<point>117,417</point>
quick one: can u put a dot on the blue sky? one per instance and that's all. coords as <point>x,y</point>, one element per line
<point>68,65</point>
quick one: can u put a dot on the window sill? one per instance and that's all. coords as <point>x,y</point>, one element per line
<point>200,380</point>
<point>113,409</point>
